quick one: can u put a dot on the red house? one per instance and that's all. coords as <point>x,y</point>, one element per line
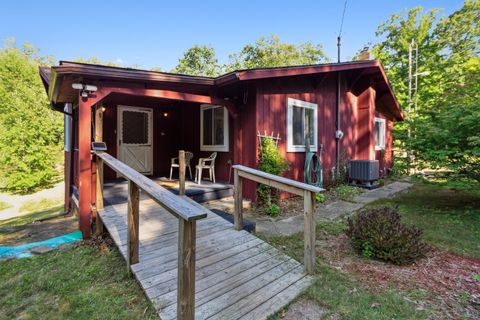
<point>145,117</point>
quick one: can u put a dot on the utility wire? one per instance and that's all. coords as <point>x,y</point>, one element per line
<point>343,17</point>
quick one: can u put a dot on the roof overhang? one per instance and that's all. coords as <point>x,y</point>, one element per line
<point>58,79</point>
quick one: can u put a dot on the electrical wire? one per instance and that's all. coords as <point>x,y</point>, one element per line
<point>343,17</point>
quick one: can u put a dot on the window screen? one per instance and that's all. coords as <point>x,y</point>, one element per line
<point>379,133</point>
<point>207,126</point>
<point>135,127</point>
<point>218,126</point>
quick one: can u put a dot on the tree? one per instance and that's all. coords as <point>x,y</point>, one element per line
<point>449,50</point>
<point>199,61</point>
<point>95,60</point>
<point>269,52</point>
<point>30,132</point>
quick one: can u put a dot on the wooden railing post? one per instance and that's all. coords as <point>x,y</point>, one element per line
<point>99,196</point>
<point>181,172</point>
<point>186,270</point>
<point>238,201</point>
<point>309,231</point>
<point>133,224</point>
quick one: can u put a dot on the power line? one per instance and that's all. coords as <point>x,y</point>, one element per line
<point>343,17</point>
<point>340,31</point>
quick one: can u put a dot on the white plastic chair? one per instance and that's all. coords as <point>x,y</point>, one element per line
<point>175,164</point>
<point>205,163</point>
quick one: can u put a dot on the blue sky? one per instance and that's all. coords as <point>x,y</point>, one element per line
<point>156,33</point>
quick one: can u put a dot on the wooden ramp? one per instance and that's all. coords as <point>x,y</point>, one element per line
<point>238,276</point>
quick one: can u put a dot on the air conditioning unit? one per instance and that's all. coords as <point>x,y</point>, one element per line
<point>363,172</point>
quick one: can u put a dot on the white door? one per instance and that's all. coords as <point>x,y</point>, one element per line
<point>134,138</point>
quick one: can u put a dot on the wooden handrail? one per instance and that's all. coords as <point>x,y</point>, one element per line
<point>187,214</point>
<point>302,189</point>
<point>170,202</point>
<point>278,182</point>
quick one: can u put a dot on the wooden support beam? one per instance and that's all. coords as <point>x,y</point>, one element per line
<point>186,270</point>
<point>85,166</point>
<point>309,231</point>
<point>238,200</point>
<point>99,196</point>
<point>181,172</point>
<point>133,223</point>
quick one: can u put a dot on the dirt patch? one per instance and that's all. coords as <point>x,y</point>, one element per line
<point>37,231</point>
<point>447,281</point>
<point>305,309</point>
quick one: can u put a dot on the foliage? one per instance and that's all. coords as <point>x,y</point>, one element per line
<point>4,205</point>
<point>270,161</point>
<point>379,233</point>
<point>449,50</point>
<point>341,293</point>
<point>199,61</point>
<point>269,52</point>
<point>340,177</point>
<point>30,217</point>
<point>79,283</point>
<point>272,210</point>
<point>446,211</point>
<point>41,204</point>
<point>345,192</point>
<point>95,60</point>
<point>266,52</point>
<point>320,198</point>
<point>30,132</point>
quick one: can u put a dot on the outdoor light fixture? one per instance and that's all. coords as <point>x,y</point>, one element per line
<point>103,109</point>
<point>86,89</point>
<point>165,114</point>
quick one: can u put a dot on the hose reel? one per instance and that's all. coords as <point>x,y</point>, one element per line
<point>313,171</point>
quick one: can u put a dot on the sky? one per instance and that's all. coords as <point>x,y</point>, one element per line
<point>157,33</point>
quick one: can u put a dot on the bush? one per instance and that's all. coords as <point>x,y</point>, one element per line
<point>346,193</point>
<point>272,210</point>
<point>270,161</point>
<point>320,198</point>
<point>30,132</point>
<point>379,233</point>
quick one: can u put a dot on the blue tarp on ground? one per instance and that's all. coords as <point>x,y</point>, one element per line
<point>21,251</point>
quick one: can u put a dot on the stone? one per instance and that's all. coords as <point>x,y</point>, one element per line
<point>41,250</point>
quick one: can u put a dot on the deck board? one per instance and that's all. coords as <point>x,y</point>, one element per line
<point>237,274</point>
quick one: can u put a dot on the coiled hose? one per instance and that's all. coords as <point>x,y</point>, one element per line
<point>313,168</point>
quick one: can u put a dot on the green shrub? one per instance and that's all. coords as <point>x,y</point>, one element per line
<point>379,233</point>
<point>272,210</point>
<point>346,193</point>
<point>270,161</point>
<point>30,132</point>
<point>320,198</point>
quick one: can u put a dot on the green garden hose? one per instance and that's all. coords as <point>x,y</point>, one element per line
<point>313,168</point>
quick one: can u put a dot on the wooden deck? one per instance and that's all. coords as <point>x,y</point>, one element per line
<point>238,276</point>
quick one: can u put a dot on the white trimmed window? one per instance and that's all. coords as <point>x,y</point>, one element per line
<point>302,122</point>
<point>379,132</point>
<point>213,128</point>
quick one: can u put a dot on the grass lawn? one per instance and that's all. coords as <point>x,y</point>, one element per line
<point>30,217</point>
<point>447,212</point>
<point>340,292</point>
<point>79,283</point>
<point>4,205</point>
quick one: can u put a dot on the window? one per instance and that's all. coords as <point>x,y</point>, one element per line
<point>301,123</point>
<point>213,128</point>
<point>379,134</point>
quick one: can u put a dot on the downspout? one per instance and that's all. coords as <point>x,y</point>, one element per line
<point>67,112</point>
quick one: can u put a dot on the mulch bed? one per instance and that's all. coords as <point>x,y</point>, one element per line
<point>448,278</point>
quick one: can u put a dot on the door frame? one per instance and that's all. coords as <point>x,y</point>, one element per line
<point>120,109</point>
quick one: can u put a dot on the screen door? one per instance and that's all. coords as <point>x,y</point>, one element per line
<point>135,145</point>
